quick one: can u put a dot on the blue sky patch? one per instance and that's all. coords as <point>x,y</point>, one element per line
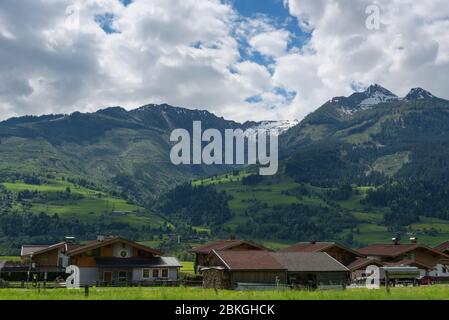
<point>275,11</point>
<point>126,2</point>
<point>105,21</point>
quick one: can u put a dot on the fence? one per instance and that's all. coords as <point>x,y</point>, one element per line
<point>55,285</point>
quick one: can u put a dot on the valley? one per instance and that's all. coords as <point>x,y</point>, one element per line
<point>358,170</point>
<point>283,191</point>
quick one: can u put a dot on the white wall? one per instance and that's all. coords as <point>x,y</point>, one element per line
<point>138,274</point>
<point>89,275</point>
<point>439,271</point>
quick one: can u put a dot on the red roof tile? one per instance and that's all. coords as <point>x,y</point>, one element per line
<point>220,245</point>
<point>443,246</point>
<point>29,249</point>
<point>110,240</point>
<point>394,250</point>
<point>317,247</point>
<point>362,263</point>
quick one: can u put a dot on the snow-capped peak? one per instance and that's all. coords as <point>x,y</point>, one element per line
<point>418,94</point>
<point>377,94</point>
<point>279,126</point>
<point>361,101</point>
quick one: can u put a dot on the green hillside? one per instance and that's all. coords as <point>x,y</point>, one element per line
<point>87,204</point>
<point>283,191</point>
<point>126,152</point>
<point>351,171</point>
<point>44,211</point>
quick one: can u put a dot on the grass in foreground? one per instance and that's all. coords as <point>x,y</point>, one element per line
<point>418,293</point>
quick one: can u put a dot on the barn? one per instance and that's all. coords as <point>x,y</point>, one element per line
<point>265,269</point>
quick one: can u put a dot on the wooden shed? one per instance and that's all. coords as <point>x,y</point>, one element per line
<point>265,269</point>
<point>202,252</point>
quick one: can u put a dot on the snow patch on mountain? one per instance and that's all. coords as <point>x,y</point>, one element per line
<point>276,126</point>
<point>418,94</point>
<point>362,101</point>
<point>377,98</point>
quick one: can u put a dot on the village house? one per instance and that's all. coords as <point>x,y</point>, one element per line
<point>341,253</point>
<point>202,252</point>
<point>257,269</point>
<point>429,261</point>
<point>106,260</point>
<point>359,266</point>
<point>443,247</point>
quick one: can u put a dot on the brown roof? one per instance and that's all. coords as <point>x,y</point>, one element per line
<point>249,260</point>
<point>278,261</point>
<point>443,246</point>
<point>220,245</point>
<point>362,263</point>
<point>40,249</point>
<point>308,261</point>
<point>394,250</point>
<point>317,247</point>
<point>110,240</point>
<point>29,249</point>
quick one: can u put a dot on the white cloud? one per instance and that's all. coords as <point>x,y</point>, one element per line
<point>409,50</point>
<point>272,43</point>
<point>177,52</point>
<point>199,54</point>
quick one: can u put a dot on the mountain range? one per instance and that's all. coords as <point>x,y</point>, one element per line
<point>129,150</point>
<point>353,161</point>
<point>371,132</point>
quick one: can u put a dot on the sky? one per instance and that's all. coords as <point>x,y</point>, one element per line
<point>241,59</point>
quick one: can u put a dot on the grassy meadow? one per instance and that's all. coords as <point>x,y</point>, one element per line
<point>407,293</point>
<point>93,204</point>
<point>281,191</point>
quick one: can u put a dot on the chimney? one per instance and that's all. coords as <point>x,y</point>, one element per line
<point>70,239</point>
<point>100,238</point>
<point>232,237</point>
<point>395,241</point>
<point>313,242</point>
<point>414,240</point>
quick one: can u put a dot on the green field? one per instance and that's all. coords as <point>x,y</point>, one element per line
<point>280,190</point>
<point>226,178</point>
<point>409,293</point>
<point>91,207</point>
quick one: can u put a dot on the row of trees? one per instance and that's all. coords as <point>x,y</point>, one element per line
<point>296,222</point>
<point>409,198</point>
<point>201,205</point>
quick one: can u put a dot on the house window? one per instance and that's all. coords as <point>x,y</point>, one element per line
<point>164,273</point>
<point>122,276</point>
<point>146,273</point>
<point>155,273</point>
